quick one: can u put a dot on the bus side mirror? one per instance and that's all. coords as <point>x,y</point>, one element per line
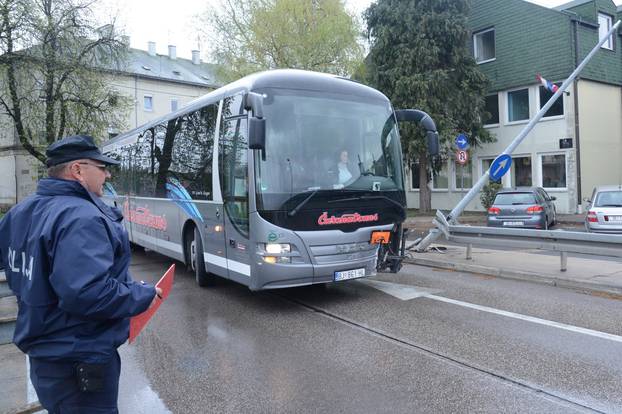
<point>432,142</point>
<point>257,134</point>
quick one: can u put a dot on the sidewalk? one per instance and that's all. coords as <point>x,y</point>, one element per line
<point>600,275</point>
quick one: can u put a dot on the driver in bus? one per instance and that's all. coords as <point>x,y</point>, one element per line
<point>343,173</point>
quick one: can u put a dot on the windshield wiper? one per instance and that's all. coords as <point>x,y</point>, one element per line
<point>296,209</point>
<point>371,197</point>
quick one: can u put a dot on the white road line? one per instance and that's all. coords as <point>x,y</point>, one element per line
<point>31,394</point>
<point>570,328</point>
<point>407,292</point>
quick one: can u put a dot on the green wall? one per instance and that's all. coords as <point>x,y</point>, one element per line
<point>531,39</point>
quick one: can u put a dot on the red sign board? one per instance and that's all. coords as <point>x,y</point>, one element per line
<point>462,157</point>
<point>138,322</point>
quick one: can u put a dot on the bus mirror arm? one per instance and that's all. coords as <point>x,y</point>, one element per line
<point>423,119</point>
<point>254,101</point>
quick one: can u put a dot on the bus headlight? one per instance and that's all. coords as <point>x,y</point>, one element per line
<point>278,248</point>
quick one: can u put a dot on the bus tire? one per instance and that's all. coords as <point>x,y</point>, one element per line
<point>136,247</point>
<point>197,261</point>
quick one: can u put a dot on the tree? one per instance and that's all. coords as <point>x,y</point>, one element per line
<point>419,58</point>
<point>247,36</point>
<point>52,71</point>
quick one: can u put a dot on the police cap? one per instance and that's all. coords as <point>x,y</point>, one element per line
<point>75,147</point>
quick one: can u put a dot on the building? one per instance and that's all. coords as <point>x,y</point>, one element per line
<point>578,144</point>
<point>155,83</point>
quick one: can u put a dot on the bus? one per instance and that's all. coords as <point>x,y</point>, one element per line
<point>283,178</point>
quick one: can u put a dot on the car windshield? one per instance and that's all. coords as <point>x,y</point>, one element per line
<point>514,199</point>
<point>325,144</point>
<point>608,199</point>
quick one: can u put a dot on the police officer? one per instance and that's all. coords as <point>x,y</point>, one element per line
<point>66,257</point>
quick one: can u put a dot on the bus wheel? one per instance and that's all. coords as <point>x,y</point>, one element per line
<point>197,262</point>
<point>136,247</point>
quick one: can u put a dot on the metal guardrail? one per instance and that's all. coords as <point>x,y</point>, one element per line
<point>560,241</point>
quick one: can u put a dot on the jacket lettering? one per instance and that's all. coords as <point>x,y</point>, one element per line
<point>25,271</point>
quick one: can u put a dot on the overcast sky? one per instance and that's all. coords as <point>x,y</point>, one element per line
<point>171,22</point>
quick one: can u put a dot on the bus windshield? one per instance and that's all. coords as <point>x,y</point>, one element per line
<point>322,142</point>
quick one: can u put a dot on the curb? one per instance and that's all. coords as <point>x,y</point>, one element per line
<point>519,275</point>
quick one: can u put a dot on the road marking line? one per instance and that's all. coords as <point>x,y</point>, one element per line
<point>546,322</point>
<point>407,292</point>
<point>403,292</point>
<point>31,394</point>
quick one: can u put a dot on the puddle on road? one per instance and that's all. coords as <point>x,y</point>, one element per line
<point>135,393</point>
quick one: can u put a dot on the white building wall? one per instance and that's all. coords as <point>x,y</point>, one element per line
<point>161,93</point>
<point>7,182</point>
<point>543,140</point>
<point>600,114</point>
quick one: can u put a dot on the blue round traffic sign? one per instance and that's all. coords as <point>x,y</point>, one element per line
<point>461,142</point>
<point>500,166</point>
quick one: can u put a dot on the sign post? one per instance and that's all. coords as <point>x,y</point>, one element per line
<point>462,158</point>
<point>451,217</point>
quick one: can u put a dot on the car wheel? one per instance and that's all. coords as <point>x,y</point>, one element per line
<point>196,259</point>
<point>546,223</point>
<point>554,221</point>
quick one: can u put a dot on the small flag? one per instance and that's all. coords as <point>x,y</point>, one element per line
<point>547,84</point>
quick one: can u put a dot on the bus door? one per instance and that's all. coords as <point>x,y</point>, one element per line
<point>233,171</point>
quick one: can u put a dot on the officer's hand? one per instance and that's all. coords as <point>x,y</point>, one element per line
<point>157,296</point>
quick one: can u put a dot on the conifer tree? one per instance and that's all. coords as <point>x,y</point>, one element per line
<point>420,58</point>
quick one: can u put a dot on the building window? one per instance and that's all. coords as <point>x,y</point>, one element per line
<point>484,45</point>
<point>557,109</point>
<point>492,107</point>
<point>414,176</point>
<point>174,105</point>
<point>148,103</point>
<point>440,177</point>
<point>464,175</point>
<point>521,172</point>
<point>518,105</point>
<point>604,25</point>
<point>553,170</point>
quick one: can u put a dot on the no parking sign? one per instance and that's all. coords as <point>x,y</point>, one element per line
<point>462,157</point>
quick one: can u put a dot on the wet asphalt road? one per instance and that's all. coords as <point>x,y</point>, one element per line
<point>353,348</point>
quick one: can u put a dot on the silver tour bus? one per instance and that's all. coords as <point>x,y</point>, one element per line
<point>282,178</point>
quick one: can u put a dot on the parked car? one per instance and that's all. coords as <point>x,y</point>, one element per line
<point>604,213</point>
<point>529,207</point>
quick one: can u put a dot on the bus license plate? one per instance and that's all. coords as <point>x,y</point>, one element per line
<point>349,274</point>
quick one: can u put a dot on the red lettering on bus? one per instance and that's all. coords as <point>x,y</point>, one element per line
<point>142,216</point>
<point>324,220</point>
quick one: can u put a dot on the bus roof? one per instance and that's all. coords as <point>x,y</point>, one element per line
<point>278,78</point>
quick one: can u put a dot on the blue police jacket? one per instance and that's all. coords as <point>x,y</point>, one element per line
<point>66,256</point>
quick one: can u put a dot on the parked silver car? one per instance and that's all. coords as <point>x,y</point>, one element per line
<point>529,207</point>
<point>604,213</point>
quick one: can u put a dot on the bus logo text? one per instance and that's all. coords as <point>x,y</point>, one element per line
<point>324,220</point>
<point>143,216</point>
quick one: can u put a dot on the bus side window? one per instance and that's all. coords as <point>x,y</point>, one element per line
<point>234,171</point>
<point>233,106</point>
<point>185,151</point>
<point>144,165</point>
<point>121,177</point>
